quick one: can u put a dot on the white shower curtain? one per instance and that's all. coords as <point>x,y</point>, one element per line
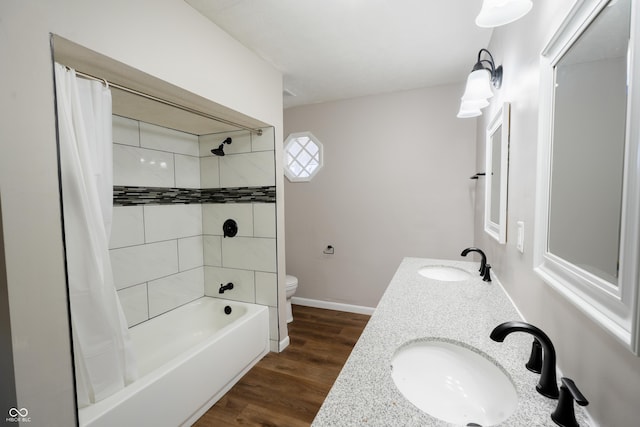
<point>104,361</point>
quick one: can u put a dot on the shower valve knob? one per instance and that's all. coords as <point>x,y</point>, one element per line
<point>230,228</point>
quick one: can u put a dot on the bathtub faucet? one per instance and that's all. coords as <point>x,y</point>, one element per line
<point>226,287</point>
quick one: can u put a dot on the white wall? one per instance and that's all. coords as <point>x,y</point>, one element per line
<point>607,373</point>
<point>164,38</point>
<point>395,183</point>
<point>7,387</point>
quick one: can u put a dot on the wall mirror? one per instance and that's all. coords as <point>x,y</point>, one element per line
<point>497,170</point>
<point>588,215</point>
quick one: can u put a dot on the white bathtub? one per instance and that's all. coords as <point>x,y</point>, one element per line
<point>188,358</point>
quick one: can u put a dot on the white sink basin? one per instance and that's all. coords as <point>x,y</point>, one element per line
<point>444,273</point>
<point>453,383</point>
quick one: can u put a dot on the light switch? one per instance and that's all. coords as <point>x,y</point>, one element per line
<point>520,242</point>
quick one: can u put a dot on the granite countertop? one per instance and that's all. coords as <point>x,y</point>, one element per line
<point>413,307</point>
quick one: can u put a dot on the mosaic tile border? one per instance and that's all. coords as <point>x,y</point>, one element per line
<point>134,196</point>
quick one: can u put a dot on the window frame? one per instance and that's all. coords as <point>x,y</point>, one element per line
<point>293,138</point>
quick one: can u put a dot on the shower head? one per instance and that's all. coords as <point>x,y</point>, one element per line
<point>220,150</point>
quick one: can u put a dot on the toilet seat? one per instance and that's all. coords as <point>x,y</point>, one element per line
<point>292,282</point>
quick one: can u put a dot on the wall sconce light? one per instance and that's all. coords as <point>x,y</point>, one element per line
<point>500,12</point>
<point>470,109</point>
<point>478,89</point>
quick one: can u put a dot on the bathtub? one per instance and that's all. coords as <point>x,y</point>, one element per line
<point>188,358</point>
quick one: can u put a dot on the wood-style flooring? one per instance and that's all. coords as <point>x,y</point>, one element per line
<point>287,389</point>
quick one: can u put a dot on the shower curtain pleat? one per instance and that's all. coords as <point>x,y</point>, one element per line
<point>103,354</point>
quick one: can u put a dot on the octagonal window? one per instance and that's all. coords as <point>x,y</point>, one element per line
<point>302,156</point>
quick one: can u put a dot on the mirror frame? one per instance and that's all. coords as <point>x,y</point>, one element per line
<point>501,122</point>
<point>615,308</point>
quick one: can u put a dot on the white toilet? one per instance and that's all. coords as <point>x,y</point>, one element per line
<point>292,285</point>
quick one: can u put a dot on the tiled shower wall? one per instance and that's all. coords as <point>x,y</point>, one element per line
<point>164,256</point>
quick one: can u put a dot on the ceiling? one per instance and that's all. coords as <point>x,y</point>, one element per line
<point>337,49</point>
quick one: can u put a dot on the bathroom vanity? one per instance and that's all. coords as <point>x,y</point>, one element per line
<point>462,311</point>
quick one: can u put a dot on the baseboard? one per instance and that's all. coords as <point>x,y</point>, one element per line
<point>328,305</point>
<point>284,344</point>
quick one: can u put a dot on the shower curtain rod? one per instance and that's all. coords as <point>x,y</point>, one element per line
<point>169,103</point>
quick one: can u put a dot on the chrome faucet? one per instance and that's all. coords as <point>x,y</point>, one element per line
<point>483,262</point>
<point>547,386</point>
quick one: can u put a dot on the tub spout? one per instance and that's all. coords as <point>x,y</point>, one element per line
<point>226,287</point>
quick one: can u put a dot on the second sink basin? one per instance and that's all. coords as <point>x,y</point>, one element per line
<point>444,273</point>
<point>453,383</point>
